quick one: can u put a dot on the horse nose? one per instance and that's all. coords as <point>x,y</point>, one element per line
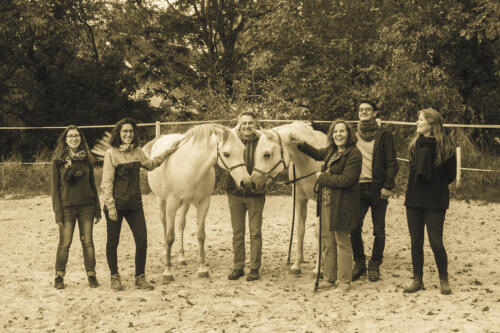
<point>247,184</point>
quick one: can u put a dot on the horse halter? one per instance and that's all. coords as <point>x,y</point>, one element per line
<point>281,161</point>
<point>229,169</point>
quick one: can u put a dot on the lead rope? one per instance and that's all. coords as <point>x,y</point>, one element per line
<point>320,199</point>
<point>293,216</point>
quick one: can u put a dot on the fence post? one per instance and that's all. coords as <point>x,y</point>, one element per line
<point>459,166</point>
<point>157,129</point>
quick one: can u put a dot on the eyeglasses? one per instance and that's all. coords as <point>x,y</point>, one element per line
<point>125,131</point>
<point>73,136</point>
<point>366,109</point>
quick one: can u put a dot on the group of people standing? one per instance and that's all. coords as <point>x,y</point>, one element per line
<point>358,173</point>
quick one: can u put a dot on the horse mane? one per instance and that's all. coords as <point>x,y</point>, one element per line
<point>202,132</point>
<point>305,132</point>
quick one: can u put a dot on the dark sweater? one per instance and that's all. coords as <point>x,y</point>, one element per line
<point>73,186</point>
<point>428,183</point>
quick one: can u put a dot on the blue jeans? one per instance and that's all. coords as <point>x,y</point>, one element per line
<point>370,199</point>
<point>85,216</point>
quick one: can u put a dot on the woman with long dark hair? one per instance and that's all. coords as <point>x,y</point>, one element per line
<point>432,169</point>
<point>122,196</point>
<point>338,182</point>
<point>74,197</point>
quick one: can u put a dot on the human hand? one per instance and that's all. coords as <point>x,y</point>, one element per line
<point>113,214</point>
<point>385,194</point>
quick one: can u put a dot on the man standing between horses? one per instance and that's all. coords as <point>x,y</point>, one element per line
<point>242,201</point>
<point>376,183</point>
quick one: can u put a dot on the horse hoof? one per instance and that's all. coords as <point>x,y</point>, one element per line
<point>294,271</point>
<point>168,278</point>
<point>203,274</point>
<point>183,262</point>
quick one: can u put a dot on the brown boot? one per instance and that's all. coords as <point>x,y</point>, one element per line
<point>116,282</point>
<point>236,274</point>
<point>141,283</point>
<point>253,275</point>
<point>416,285</point>
<point>445,287</point>
<point>59,282</point>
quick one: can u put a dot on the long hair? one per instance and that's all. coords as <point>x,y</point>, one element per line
<point>62,147</point>
<point>351,138</point>
<point>443,147</point>
<point>115,132</point>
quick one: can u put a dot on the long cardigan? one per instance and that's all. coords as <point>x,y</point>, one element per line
<point>342,177</point>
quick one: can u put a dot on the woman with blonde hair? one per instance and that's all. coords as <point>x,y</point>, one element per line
<point>432,169</point>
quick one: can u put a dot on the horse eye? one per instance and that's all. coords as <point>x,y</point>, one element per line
<point>267,155</point>
<point>226,154</point>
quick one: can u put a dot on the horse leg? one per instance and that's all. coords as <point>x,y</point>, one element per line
<point>181,224</point>
<point>171,208</point>
<point>301,228</point>
<point>162,206</point>
<point>201,215</point>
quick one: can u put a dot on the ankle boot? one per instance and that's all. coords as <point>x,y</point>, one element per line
<point>416,285</point>
<point>359,269</point>
<point>373,270</point>
<point>445,286</point>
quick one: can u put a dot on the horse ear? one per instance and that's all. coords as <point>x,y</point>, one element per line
<point>222,132</point>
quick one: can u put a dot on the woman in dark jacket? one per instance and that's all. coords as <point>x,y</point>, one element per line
<point>74,197</point>
<point>338,182</point>
<point>432,169</point>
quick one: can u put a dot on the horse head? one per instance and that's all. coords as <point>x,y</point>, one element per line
<point>230,151</point>
<point>271,158</point>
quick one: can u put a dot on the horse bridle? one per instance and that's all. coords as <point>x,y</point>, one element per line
<point>281,161</point>
<point>229,169</point>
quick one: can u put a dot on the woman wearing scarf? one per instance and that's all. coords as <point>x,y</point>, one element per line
<point>122,197</point>
<point>74,197</point>
<point>338,182</point>
<point>432,169</point>
<point>376,183</point>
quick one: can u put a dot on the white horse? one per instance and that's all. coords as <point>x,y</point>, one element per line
<point>188,177</point>
<point>273,151</point>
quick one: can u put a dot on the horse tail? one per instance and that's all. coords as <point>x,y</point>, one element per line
<point>102,146</point>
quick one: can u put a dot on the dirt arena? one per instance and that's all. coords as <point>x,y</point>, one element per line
<point>279,302</point>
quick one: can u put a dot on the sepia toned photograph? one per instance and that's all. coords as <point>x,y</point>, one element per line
<point>250,166</point>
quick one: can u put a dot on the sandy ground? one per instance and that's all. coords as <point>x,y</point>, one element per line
<point>279,302</point>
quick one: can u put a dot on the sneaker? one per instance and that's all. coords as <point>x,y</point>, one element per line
<point>93,283</point>
<point>373,271</point>
<point>116,282</point>
<point>445,287</point>
<point>141,283</point>
<point>59,282</point>
<point>236,274</point>
<point>414,287</point>
<point>358,270</point>
<point>253,275</point>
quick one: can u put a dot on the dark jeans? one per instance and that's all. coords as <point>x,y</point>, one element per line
<point>136,221</point>
<point>418,218</point>
<point>85,217</point>
<point>370,199</point>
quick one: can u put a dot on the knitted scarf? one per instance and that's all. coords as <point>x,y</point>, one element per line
<point>367,130</point>
<point>73,155</point>
<point>424,158</point>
